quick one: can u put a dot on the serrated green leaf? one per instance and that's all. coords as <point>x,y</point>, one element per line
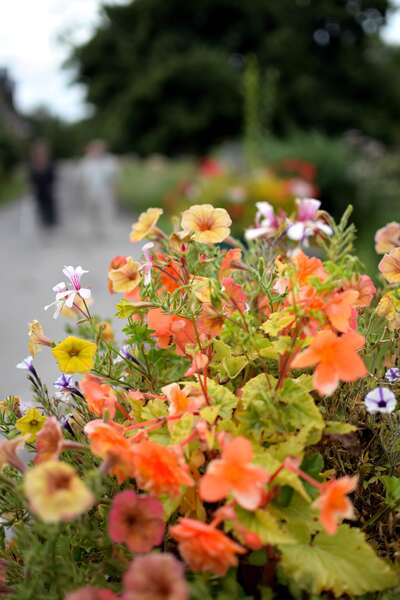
<point>338,428</point>
<point>343,563</point>
<point>209,413</point>
<point>265,525</point>
<point>234,365</point>
<point>181,429</point>
<point>222,397</point>
<point>265,459</point>
<point>154,408</point>
<point>277,321</point>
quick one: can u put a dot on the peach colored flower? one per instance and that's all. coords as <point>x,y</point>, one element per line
<point>146,224</point>
<point>160,469</point>
<point>8,453</point>
<point>37,338</point>
<point>100,397</point>
<point>55,492</point>
<point>199,363</point>
<point>335,357</point>
<point>210,321</point>
<point>333,503</point>
<point>209,225</point>
<point>389,307</point>
<point>237,298</point>
<point>155,577</point>
<point>108,442</point>
<point>205,548</point>
<point>339,307</point>
<point>364,285</point>
<point>179,400</point>
<point>124,278</point>
<point>387,238</point>
<point>229,263</point>
<point>49,441</point>
<point>390,266</point>
<point>136,521</point>
<point>234,474</point>
<point>307,267</point>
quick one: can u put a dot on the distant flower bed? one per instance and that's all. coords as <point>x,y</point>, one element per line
<point>217,452</point>
<point>239,191</point>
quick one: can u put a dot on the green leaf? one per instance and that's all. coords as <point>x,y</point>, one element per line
<point>338,428</point>
<point>234,365</point>
<point>222,397</point>
<point>278,321</point>
<point>265,525</point>
<point>181,429</point>
<point>153,409</point>
<point>209,413</point>
<point>343,563</point>
<point>124,309</point>
<point>285,478</point>
<point>392,489</point>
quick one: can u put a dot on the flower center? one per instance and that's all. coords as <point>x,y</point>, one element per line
<point>205,224</point>
<point>58,482</point>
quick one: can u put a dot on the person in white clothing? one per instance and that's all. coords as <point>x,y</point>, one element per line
<point>98,172</point>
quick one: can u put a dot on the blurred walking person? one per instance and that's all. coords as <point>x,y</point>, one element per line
<point>98,172</point>
<point>42,176</point>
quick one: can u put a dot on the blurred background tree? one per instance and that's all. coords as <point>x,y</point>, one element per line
<point>168,76</point>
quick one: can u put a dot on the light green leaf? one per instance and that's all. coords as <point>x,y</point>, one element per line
<point>222,397</point>
<point>154,408</point>
<point>209,413</point>
<point>338,428</point>
<point>278,321</point>
<point>265,525</point>
<point>265,459</point>
<point>124,309</point>
<point>181,429</point>
<point>234,365</point>
<point>392,489</point>
<point>343,563</point>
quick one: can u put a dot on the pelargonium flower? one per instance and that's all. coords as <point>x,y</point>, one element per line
<point>100,397</point>
<point>307,223</point>
<point>55,492</point>
<point>205,548</point>
<point>335,357</point>
<point>74,355</point>
<point>380,400</point>
<point>155,577</point>
<point>66,295</point>
<point>31,423</point>
<point>136,521</point>
<point>333,503</point>
<point>234,474</point>
<point>107,441</point>
<point>339,308</point>
<point>179,400</point>
<point>208,224</point>
<point>392,375</point>
<point>266,222</point>
<point>160,469</point>
<point>146,224</point>
<point>91,593</point>
<point>148,265</point>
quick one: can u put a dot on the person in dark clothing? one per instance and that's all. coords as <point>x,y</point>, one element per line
<point>42,174</point>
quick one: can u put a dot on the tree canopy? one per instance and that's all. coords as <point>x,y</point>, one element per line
<point>168,76</point>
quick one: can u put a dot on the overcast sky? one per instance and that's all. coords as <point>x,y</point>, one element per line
<point>30,47</point>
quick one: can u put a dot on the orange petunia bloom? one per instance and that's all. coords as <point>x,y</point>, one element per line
<point>160,469</point>
<point>108,443</point>
<point>205,548</point>
<point>234,474</point>
<point>100,397</point>
<point>307,267</point>
<point>336,359</point>
<point>229,262</point>
<point>209,225</point>
<point>390,266</point>
<point>49,441</point>
<point>334,504</point>
<point>339,308</point>
<point>210,321</point>
<point>364,285</point>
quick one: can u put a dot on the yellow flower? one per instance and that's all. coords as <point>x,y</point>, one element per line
<point>389,307</point>
<point>74,355</point>
<point>210,225</point>
<point>31,423</point>
<point>146,224</point>
<point>126,278</point>
<point>390,266</point>
<point>56,493</point>
<point>37,339</point>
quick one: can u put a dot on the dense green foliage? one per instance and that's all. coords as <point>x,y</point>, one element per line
<point>168,76</point>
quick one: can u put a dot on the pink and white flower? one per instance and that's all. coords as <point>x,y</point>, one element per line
<point>66,294</point>
<point>148,265</point>
<point>307,223</point>
<point>266,222</point>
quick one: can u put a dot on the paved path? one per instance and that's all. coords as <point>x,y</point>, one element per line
<point>31,263</point>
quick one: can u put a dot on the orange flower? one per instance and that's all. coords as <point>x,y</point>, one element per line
<point>125,277</point>
<point>308,267</point>
<point>387,238</point>
<point>210,225</point>
<point>171,276</point>
<point>160,469</point>
<point>99,396</point>
<point>362,284</point>
<point>334,504</point>
<point>49,441</point>
<point>199,363</point>
<point>204,547</point>
<point>339,308</point>
<point>179,400</point>
<point>234,474</point>
<point>229,262</point>
<point>336,359</point>
<point>210,322</point>
<point>390,266</point>
<point>234,292</point>
<point>108,442</point>
<point>170,328</point>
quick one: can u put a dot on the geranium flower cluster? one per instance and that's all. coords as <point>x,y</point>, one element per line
<point>187,447</point>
